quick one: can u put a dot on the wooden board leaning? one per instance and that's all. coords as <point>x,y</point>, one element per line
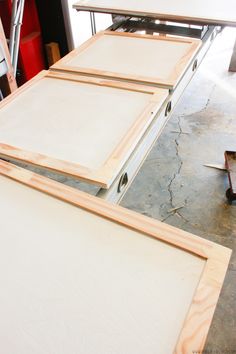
<point>101,270</point>
<point>80,126</point>
<point>133,57</point>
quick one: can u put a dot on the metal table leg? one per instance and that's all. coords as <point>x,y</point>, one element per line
<point>16,22</point>
<point>93,23</point>
<point>232,66</point>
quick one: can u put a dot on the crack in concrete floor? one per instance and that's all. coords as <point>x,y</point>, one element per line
<point>180,132</point>
<point>169,187</point>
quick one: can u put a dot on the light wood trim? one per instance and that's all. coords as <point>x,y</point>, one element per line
<point>184,240</point>
<point>102,82</point>
<point>105,175</point>
<point>198,319</point>
<point>55,165</point>
<point>116,156</point>
<point>10,75</point>
<point>84,6</point>
<point>53,52</point>
<point>169,82</point>
<point>197,323</point>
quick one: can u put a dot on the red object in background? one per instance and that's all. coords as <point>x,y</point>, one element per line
<point>31,58</point>
<point>31,52</point>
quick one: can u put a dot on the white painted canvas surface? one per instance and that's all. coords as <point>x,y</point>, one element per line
<point>133,56</point>
<point>71,121</point>
<point>72,282</point>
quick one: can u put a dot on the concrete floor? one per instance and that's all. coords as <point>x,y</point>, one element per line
<point>201,128</point>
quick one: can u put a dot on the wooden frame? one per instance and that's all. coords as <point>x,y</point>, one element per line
<point>104,175</point>
<point>169,82</point>
<point>197,321</point>
<point>11,85</point>
<point>132,166</point>
<point>171,10</point>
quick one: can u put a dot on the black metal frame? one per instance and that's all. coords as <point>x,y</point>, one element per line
<point>150,26</point>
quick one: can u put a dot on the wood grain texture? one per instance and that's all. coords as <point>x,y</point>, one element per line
<point>10,75</point>
<point>197,11</point>
<point>140,58</point>
<point>73,124</point>
<point>53,53</point>
<point>127,255</point>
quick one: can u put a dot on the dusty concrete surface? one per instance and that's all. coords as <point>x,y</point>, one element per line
<point>201,128</point>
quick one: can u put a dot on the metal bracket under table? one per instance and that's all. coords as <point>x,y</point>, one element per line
<point>154,26</point>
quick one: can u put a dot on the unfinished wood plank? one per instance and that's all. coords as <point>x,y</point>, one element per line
<point>53,53</point>
<point>198,11</point>
<point>85,127</point>
<point>140,58</point>
<point>9,85</point>
<point>83,268</point>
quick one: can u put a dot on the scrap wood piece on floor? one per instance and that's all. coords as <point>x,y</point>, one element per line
<point>176,208</point>
<point>216,166</point>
